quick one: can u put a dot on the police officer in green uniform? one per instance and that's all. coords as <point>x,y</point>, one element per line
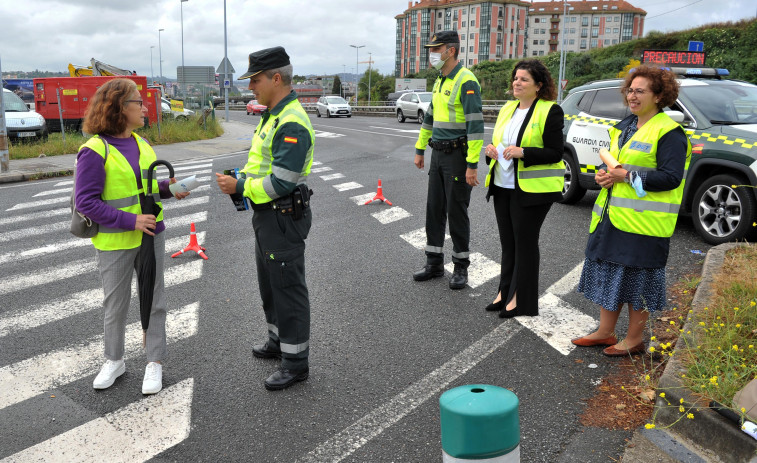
<point>274,180</point>
<point>454,124</point>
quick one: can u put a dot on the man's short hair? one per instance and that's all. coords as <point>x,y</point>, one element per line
<point>285,72</point>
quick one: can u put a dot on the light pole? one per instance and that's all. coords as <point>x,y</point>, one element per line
<point>152,72</point>
<point>225,66</point>
<point>562,50</point>
<point>183,87</point>
<point>160,55</point>
<point>369,78</point>
<point>341,84</point>
<point>357,77</point>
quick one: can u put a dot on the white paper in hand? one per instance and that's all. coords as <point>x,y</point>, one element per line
<point>184,186</point>
<point>501,158</point>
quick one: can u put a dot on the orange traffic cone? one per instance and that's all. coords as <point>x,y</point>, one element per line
<point>193,245</point>
<point>379,195</point>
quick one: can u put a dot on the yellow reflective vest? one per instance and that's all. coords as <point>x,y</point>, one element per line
<point>258,185</point>
<point>538,178</point>
<point>656,213</point>
<point>120,191</point>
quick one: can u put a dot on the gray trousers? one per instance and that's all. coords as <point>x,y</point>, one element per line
<point>116,270</point>
<point>280,261</point>
<point>448,196</point>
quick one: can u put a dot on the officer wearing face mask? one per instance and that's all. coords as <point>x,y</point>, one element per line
<point>454,129</point>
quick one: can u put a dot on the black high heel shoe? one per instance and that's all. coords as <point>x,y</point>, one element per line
<point>495,306</point>
<point>504,313</point>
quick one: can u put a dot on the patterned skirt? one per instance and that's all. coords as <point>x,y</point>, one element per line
<point>609,285</point>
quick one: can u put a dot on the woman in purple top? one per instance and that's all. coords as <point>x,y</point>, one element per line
<point>109,183</point>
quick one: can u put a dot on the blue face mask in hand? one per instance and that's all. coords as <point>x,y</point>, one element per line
<point>636,184</point>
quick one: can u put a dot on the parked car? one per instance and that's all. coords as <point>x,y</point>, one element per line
<point>333,106</point>
<point>720,118</point>
<point>165,106</point>
<point>21,122</point>
<point>413,106</point>
<point>253,107</point>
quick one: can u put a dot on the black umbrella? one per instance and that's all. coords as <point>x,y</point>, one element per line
<point>146,257</point>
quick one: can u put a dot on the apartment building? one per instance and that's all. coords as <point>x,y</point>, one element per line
<point>489,31</point>
<point>586,24</point>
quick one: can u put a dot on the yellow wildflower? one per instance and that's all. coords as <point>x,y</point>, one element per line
<point>649,426</point>
<point>651,349</point>
<point>662,394</point>
<point>681,409</point>
<point>690,416</point>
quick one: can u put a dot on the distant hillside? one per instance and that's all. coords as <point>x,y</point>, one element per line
<point>33,74</point>
<point>727,45</point>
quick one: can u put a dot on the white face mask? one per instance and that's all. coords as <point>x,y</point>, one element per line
<point>436,60</point>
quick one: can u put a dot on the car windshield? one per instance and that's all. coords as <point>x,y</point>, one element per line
<point>425,97</point>
<point>725,104</point>
<point>336,100</point>
<point>14,104</point>
<point>254,102</point>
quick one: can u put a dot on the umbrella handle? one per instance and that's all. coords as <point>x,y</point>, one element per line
<point>152,168</point>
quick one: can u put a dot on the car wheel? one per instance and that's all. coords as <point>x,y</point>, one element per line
<point>349,115</point>
<point>317,113</point>
<point>248,113</point>
<point>400,116</point>
<point>572,191</point>
<point>328,114</point>
<point>420,116</point>
<point>720,212</point>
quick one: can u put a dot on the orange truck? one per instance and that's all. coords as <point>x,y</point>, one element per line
<point>71,95</point>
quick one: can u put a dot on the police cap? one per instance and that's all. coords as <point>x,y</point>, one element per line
<point>443,37</point>
<point>262,60</point>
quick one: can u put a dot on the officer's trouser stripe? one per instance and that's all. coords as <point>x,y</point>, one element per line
<point>273,329</point>
<point>294,348</point>
<point>461,255</point>
<point>436,249</point>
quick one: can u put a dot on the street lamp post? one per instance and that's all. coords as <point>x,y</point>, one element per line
<point>369,78</point>
<point>357,76</point>
<point>160,55</point>
<point>152,71</point>
<point>341,84</point>
<point>225,66</point>
<point>183,87</point>
<point>562,50</point>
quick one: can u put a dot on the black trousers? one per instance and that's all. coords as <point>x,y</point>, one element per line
<point>448,197</point>
<point>280,261</point>
<point>519,229</point>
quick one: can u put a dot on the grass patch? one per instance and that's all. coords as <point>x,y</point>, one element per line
<point>171,131</point>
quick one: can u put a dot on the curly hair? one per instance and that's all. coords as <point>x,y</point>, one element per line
<point>662,82</point>
<point>105,113</point>
<point>541,75</point>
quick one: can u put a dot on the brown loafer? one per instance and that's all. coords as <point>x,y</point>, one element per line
<point>583,342</point>
<point>613,352</point>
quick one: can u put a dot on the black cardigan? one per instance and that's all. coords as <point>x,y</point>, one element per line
<point>550,154</point>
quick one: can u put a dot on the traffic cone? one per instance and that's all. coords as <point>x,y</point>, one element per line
<point>379,195</point>
<point>193,245</point>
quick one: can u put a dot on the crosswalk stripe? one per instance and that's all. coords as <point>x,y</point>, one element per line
<point>320,169</point>
<point>332,176</point>
<point>569,281</point>
<point>347,186</point>
<point>64,183</point>
<point>32,279</point>
<point>190,167</point>
<point>34,231</point>
<point>25,379</point>
<point>33,204</point>
<point>390,215</point>
<point>190,201</point>
<point>558,322</point>
<point>362,199</point>
<point>317,163</point>
<point>35,215</point>
<point>417,238</point>
<point>85,301</point>
<point>53,192</point>
<point>481,269</point>
<point>136,432</point>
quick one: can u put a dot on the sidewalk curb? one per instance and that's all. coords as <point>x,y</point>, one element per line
<point>708,429</point>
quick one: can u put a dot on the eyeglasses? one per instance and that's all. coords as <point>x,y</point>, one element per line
<point>135,101</point>
<point>637,91</point>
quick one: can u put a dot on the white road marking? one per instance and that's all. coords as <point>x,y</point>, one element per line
<point>35,215</point>
<point>332,176</point>
<point>390,215</point>
<point>85,301</point>
<point>481,269</point>
<point>44,202</point>
<point>136,432</point>
<point>190,167</point>
<point>25,379</point>
<point>558,322</point>
<point>187,219</point>
<point>347,186</point>
<point>64,183</point>
<point>415,131</point>
<point>360,200</point>
<point>189,201</point>
<point>417,238</point>
<point>320,169</point>
<point>321,134</point>
<point>362,431</point>
<point>34,231</point>
<point>53,192</point>
<point>317,163</point>
<point>369,131</point>
<point>36,278</point>
<point>568,282</point>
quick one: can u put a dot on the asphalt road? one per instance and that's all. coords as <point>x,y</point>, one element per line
<point>383,347</point>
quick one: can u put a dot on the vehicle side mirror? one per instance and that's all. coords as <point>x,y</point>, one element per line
<point>676,116</point>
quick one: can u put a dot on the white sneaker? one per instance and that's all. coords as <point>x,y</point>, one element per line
<point>153,382</point>
<point>108,374</point>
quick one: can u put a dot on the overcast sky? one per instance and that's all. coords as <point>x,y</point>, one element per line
<point>49,34</point>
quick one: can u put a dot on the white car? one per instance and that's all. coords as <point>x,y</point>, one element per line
<point>333,106</point>
<point>21,122</point>
<point>165,105</point>
<point>413,106</point>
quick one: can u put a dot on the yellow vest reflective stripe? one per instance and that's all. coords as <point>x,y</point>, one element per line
<point>448,111</point>
<point>656,213</point>
<point>539,178</point>
<point>120,192</point>
<point>260,159</point>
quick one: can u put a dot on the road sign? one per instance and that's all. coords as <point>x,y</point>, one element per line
<point>696,46</point>
<point>564,83</point>
<point>227,83</point>
<point>196,74</point>
<point>221,69</point>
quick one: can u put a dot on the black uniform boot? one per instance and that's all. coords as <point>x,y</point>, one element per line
<point>459,278</point>
<point>428,272</point>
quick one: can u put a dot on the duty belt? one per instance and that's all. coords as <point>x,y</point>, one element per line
<point>449,145</point>
<point>294,203</point>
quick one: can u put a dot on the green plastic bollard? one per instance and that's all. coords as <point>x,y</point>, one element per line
<point>480,423</point>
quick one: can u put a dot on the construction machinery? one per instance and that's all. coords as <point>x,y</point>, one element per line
<point>97,68</point>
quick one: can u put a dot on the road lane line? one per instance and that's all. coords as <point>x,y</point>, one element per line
<point>368,131</point>
<point>347,186</point>
<point>85,301</point>
<point>390,215</point>
<point>332,176</point>
<point>25,379</point>
<point>481,269</point>
<point>136,432</point>
<point>362,431</point>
